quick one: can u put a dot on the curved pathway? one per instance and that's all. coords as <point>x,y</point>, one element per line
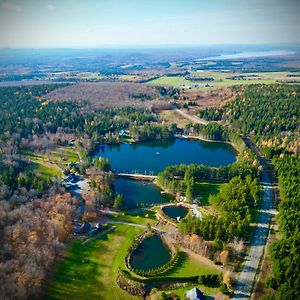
<point>192,118</point>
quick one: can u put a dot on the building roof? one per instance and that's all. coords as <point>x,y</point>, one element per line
<point>194,294</point>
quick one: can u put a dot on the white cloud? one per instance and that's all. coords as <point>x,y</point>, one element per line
<point>51,7</point>
<point>11,6</point>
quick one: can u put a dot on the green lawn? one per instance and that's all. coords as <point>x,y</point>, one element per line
<point>136,216</point>
<point>89,272</point>
<point>188,266</point>
<point>204,189</point>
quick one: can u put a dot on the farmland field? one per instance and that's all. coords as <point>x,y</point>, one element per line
<point>224,79</point>
<point>174,81</point>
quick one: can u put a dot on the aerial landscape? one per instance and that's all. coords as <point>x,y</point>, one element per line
<point>149,149</point>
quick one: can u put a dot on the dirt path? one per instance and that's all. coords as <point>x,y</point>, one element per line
<point>194,119</point>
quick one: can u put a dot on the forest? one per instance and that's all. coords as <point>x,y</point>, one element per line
<point>260,110</point>
<point>285,252</point>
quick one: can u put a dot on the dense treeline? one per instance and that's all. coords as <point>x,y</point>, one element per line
<point>285,252</point>
<point>216,132</point>
<point>152,132</point>
<point>212,131</point>
<point>260,109</point>
<point>235,201</point>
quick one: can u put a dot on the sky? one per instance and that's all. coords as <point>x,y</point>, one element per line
<point>102,23</point>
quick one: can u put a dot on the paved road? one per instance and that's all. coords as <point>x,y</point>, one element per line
<point>246,279</point>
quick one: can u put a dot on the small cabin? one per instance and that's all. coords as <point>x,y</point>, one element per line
<point>194,294</point>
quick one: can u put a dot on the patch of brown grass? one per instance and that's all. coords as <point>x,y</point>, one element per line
<point>109,94</point>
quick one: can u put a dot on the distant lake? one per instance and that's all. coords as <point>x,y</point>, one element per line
<point>140,193</point>
<point>249,54</point>
<point>153,157</point>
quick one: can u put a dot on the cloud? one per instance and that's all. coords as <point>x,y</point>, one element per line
<point>11,6</point>
<point>51,7</point>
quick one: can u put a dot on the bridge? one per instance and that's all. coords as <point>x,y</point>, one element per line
<point>136,176</point>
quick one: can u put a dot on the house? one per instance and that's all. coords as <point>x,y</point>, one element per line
<point>72,164</point>
<point>194,294</point>
<point>85,228</point>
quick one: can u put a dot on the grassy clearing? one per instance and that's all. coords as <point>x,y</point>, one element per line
<point>64,155</point>
<point>205,189</point>
<point>89,272</point>
<point>171,116</point>
<point>50,165</point>
<point>40,165</point>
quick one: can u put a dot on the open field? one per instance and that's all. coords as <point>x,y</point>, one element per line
<point>205,189</point>
<point>40,164</point>
<point>174,81</point>
<point>89,272</point>
<point>173,117</point>
<point>226,79</point>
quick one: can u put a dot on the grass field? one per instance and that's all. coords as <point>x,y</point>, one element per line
<point>173,81</point>
<point>171,116</point>
<point>50,165</point>
<point>89,272</point>
<point>223,79</point>
<point>204,189</point>
<point>40,165</point>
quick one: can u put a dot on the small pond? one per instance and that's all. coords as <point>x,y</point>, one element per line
<point>138,193</point>
<point>152,253</point>
<point>152,157</point>
<point>174,211</point>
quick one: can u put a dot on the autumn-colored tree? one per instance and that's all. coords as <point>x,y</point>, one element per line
<point>224,257</point>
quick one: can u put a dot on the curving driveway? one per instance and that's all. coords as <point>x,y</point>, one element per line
<point>246,279</point>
